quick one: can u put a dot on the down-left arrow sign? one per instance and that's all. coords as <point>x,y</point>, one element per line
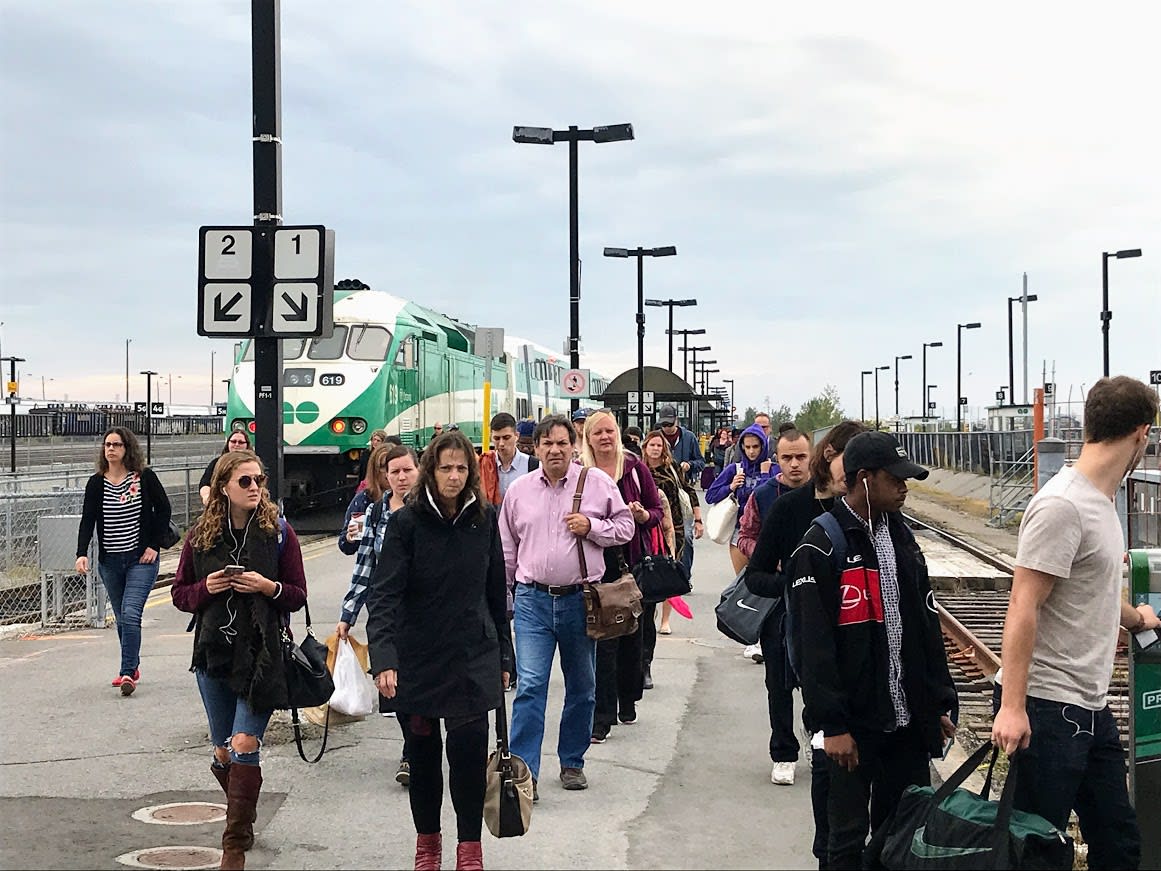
<point>226,312</point>
<point>226,309</point>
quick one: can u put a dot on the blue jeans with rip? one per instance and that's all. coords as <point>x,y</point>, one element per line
<point>229,714</point>
<point>1075,761</point>
<point>128,583</point>
<point>543,622</point>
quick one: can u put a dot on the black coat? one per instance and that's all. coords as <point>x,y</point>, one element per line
<point>437,611</point>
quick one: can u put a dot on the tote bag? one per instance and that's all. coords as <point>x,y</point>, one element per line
<point>721,519</point>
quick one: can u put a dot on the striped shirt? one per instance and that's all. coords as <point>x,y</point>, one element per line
<point>121,514</point>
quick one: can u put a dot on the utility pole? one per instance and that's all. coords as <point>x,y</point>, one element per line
<point>13,395</point>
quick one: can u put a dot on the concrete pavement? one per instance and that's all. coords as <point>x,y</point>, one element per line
<point>688,786</point>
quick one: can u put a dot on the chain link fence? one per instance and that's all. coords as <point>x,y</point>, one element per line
<point>39,520</point>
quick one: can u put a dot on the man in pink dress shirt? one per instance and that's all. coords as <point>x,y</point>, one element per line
<point>541,535</point>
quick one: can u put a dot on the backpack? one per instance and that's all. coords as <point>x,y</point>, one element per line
<point>838,553</point>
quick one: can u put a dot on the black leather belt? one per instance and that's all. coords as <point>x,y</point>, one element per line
<point>563,590</point>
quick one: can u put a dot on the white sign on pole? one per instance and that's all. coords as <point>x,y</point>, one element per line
<point>296,307</point>
<point>647,404</point>
<point>489,342</point>
<point>227,308</point>
<point>227,253</point>
<point>575,382</point>
<point>297,253</point>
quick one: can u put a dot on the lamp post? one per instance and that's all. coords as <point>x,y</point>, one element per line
<point>641,253</point>
<point>878,369</point>
<point>897,359</point>
<point>733,405</point>
<point>12,396</point>
<point>573,135</point>
<point>927,395</point>
<point>863,395</point>
<point>701,381</point>
<point>691,349</point>
<point>670,303</point>
<point>1023,299</point>
<point>1107,315</point>
<point>127,341</point>
<point>685,334</point>
<point>148,373</point>
<point>959,403</point>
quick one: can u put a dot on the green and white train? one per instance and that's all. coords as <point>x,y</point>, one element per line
<point>390,364</point>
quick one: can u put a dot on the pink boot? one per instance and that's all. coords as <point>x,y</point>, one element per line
<point>428,852</point>
<point>469,856</point>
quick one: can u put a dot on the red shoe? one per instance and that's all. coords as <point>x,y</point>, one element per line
<point>469,856</point>
<point>136,678</point>
<point>128,684</point>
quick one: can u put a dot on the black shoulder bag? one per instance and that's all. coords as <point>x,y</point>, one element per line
<point>308,681</point>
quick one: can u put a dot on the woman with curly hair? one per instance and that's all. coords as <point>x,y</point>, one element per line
<point>241,575</point>
<point>128,508</point>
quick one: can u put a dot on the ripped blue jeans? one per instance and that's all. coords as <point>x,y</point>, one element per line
<point>1075,761</point>
<point>229,714</point>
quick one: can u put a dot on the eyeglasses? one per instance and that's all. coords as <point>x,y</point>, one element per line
<point>244,481</point>
<point>114,444</point>
<point>241,442</point>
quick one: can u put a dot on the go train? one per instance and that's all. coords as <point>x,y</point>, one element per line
<point>389,364</point>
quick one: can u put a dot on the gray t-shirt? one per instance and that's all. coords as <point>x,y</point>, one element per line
<point>1071,531</point>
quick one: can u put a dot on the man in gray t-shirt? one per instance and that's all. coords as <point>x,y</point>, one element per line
<point>1060,633</point>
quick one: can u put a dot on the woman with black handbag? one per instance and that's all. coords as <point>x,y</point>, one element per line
<point>620,661</point>
<point>440,642</point>
<point>126,506</point>
<point>241,575</point>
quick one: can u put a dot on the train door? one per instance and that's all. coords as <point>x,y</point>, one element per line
<point>405,374</point>
<point>435,386</point>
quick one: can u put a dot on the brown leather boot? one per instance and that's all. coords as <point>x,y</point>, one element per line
<point>222,773</point>
<point>428,852</point>
<point>469,856</point>
<point>244,785</point>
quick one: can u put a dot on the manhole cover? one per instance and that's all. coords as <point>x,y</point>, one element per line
<point>185,858</point>
<point>182,813</point>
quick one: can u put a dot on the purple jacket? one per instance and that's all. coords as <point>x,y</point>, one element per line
<point>719,490</point>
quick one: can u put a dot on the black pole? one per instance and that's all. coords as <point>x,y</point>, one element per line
<point>923,383</point>
<point>671,336</point>
<point>877,397</point>
<point>573,258</point>
<point>267,135</point>
<point>1011,357</point>
<point>148,418</point>
<point>958,371</point>
<point>640,253</point>
<point>896,392</point>
<point>1106,315</point>
<point>863,396</point>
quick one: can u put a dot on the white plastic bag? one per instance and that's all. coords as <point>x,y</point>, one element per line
<point>355,692</point>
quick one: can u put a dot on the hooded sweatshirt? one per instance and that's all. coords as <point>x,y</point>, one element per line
<point>720,488</point>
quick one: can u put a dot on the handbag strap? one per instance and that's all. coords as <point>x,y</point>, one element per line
<point>294,721</point>
<point>576,503</point>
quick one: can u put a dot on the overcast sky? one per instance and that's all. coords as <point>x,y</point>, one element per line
<point>843,182</point>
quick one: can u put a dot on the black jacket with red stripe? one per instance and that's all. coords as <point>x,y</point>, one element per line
<point>840,638</point>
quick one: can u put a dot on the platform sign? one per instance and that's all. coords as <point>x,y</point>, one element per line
<point>931,406</point>
<point>489,342</point>
<point>999,396</point>
<point>1049,388</point>
<point>575,382</point>
<point>1155,376</point>
<point>963,400</point>
<point>266,281</point>
<point>140,407</point>
<point>647,403</point>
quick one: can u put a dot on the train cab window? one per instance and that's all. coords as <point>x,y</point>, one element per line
<point>291,350</point>
<point>455,339</point>
<point>330,348</point>
<point>405,358</point>
<point>368,343</point>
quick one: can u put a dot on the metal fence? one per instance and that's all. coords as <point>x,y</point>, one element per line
<point>1143,509</point>
<point>39,518</point>
<point>982,453</point>
<point>90,423</point>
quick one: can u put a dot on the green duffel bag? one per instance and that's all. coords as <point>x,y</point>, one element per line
<point>954,828</point>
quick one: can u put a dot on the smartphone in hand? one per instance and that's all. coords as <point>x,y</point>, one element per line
<point>234,569</point>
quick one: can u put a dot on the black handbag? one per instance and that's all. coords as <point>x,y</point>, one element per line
<point>661,577</point>
<point>952,828</point>
<point>508,791</point>
<point>740,613</point>
<point>170,536</point>
<point>308,680</point>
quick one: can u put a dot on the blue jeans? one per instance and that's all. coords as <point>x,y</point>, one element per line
<point>687,551</point>
<point>543,622</point>
<point>128,583</point>
<point>1075,761</point>
<point>230,714</point>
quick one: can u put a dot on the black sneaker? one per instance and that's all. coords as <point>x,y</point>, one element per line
<point>535,791</point>
<point>648,678</point>
<point>600,734</point>
<point>628,715</point>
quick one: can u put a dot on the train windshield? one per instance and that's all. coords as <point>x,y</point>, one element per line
<point>291,350</point>
<point>330,348</point>
<point>368,343</point>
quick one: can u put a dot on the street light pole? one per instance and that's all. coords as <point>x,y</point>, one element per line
<point>733,404</point>
<point>671,303</point>
<point>641,253</point>
<point>878,369</point>
<point>863,395</point>
<point>694,349</point>
<point>1023,299</point>
<point>959,372</point>
<point>685,334</point>
<point>148,373</point>
<point>573,135</point>
<point>1107,315</point>
<point>897,359</point>
<point>212,353</point>
<point>927,395</point>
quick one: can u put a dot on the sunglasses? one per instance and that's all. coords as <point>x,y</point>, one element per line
<point>244,481</point>
<point>114,444</point>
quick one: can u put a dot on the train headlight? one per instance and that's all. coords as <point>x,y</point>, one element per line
<point>358,426</point>
<point>338,426</point>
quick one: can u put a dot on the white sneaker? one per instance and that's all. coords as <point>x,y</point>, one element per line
<point>754,652</point>
<point>782,773</point>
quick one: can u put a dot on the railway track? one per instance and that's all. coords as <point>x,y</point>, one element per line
<point>972,620</point>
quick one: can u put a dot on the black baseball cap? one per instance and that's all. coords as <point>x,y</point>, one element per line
<point>667,414</point>
<point>880,450</point>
